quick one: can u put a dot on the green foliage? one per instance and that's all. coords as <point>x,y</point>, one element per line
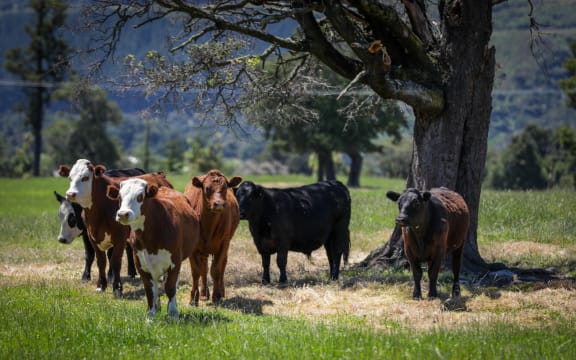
<point>44,61</point>
<point>204,156</point>
<point>535,159</point>
<point>568,85</point>
<point>88,136</point>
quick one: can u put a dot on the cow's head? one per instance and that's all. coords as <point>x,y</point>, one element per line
<point>413,206</point>
<point>81,177</point>
<point>70,215</point>
<point>214,187</point>
<point>247,195</point>
<point>131,195</point>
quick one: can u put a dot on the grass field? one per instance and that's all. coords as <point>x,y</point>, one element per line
<point>46,312</point>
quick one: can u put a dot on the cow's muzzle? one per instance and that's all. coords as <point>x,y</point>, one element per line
<point>123,217</point>
<point>402,220</point>
<point>71,196</point>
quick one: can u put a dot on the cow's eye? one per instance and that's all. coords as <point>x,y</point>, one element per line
<point>140,198</point>
<point>85,178</point>
<point>71,221</point>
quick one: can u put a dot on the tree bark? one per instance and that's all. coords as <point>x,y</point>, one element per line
<point>326,169</point>
<point>355,168</point>
<point>450,147</point>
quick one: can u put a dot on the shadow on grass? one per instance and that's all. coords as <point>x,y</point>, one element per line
<point>245,305</point>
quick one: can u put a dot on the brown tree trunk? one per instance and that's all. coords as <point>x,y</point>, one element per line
<point>450,148</point>
<point>355,168</point>
<point>326,169</point>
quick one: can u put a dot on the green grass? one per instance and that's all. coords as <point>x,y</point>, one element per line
<point>60,319</point>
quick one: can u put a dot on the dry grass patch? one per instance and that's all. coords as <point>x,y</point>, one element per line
<point>377,300</point>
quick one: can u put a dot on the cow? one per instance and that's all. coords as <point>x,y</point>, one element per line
<point>88,184</point>
<point>300,219</point>
<point>434,223</point>
<point>72,226</point>
<point>167,231</point>
<point>212,197</point>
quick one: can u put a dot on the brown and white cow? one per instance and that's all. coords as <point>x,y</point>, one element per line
<point>213,199</point>
<point>88,185</point>
<point>166,231</point>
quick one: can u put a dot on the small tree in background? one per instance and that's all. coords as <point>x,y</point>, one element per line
<point>43,65</point>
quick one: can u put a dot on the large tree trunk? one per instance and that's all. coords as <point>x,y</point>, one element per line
<point>450,148</point>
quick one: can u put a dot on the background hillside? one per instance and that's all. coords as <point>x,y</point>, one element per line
<point>526,90</point>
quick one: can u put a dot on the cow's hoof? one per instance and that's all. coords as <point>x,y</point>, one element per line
<point>118,293</point>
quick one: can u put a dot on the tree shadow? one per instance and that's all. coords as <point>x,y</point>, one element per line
<point>244,305</point>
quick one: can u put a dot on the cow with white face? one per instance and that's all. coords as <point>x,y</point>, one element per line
<point>80,189</point>
<point>88,184</point>
<point>166,231</point>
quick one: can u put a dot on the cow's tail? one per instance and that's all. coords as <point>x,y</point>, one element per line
<point>346,251</point>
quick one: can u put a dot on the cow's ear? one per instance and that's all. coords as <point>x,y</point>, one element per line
<point>99,170</point>
<point>112,192</point>
<point>63,170</point>
<point>426,195</point>
<point>151,190</point>
<point>392,195</point>
<point>196,181</point>
<point>59,197</point>
<point>235,181</point>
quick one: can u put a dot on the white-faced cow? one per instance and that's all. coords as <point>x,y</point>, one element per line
<point>167,232</point>
<point>300,219</point>
<point>88,184</point>
<point>213,198</point>
<point>72,226</point>
<point>433,224</point>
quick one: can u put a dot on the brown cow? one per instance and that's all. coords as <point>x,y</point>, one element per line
<point>213,198</point>
<point>167,232</point>
<point>88,184</point>
<point>433,223</point>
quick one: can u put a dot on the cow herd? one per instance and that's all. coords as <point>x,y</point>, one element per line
<point>160,227</point>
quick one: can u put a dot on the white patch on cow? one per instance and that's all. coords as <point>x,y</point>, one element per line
<point>106,243</point>
<point>67,234</point>
<point>129,212</point>
<point>155,264</point>
<point>80,190</point>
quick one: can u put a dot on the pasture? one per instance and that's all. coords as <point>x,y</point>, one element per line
<point>47,312</point>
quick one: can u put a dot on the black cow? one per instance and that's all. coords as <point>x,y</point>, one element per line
<point>434,223</point>
<point>72,226</point>
<point>300,219</point>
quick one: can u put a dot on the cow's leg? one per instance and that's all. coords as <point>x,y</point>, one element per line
<point>195,268</point>
<point>116,265</point>
<point>204,290</point>
<point>151,295</point>
<point>334,256</point>
<point>170,289</point>
<point>265,268</point>
<point>130,261</point>
<point>281,261</point>
<point>433,270</point>
<point>102,282</point>
<point>417,276</point>
<point>456,263</point>
<point>217,272</point>
<point>89,256</point>
<point>109,254</point>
